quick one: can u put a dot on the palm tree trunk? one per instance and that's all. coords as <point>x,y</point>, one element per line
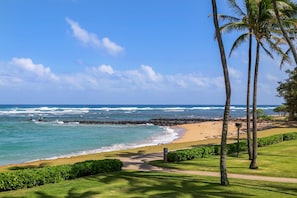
<point>223,166</point>
<point>254,164</point>
<point>284,31</point>
<point>248,128</point>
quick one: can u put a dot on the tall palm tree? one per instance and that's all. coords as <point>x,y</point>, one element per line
<point>242,22</point>
<point>256,21</point>
<point>284,32</point>
<point>265,31</point>
<point>223,166</point>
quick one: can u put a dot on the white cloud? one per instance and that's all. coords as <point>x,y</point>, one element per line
<point>151,74</point>
<point>234,73</point>
<point>83,35</point>
<point>25,74</point>
<point>111,47</point>
<point>91,39</point>
<point>105,69</point>
<point>39,70</point>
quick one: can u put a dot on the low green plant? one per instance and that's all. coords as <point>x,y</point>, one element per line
<point>27,178</point>
<point>210,150</point>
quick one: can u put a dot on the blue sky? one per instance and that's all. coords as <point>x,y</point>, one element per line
<point>120,52</point>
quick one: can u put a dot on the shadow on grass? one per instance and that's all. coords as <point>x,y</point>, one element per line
<point>127,154</point>
<point>154,184</point>
<point>169,185</point>
<point>71,194</point>
<point>274,187</point>
<point>41,165</point>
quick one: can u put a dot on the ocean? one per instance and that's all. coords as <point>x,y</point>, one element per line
<point>34,132</point>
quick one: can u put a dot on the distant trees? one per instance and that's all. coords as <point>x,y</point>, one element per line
<point>282,109</point>
<point>288,90</point>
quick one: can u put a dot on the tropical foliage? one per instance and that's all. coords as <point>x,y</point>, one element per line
<point>257,20</point>
<point>288,90</point>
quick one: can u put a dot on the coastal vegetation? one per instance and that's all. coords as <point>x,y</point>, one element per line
<point>260,21</point>
<point>211,150</point>
<point>288,90</point>
<point>30,177</point>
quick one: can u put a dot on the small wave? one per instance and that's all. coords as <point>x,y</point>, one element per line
<point>167,135</point>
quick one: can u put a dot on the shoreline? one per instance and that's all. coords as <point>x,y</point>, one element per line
<point>199,133</point>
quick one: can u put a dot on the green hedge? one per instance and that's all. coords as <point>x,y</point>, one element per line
<point>27,178</point>
<point>208,150</point>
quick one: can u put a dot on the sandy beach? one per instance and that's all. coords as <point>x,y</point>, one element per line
<point>204,130</point>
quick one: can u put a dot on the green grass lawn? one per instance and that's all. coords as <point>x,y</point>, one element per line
<point>276,160</point>
<point>149,184</point>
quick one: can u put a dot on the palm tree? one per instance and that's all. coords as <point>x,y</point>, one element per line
<point>284,32</point>
<point>223,166</point>
<point>244,22</point>
<point>265,31</point>
<point>258,22</point>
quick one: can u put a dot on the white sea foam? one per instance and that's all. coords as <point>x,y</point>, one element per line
<point>44,110</point>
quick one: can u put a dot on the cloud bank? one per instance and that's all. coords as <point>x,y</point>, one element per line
<point>143,83</point>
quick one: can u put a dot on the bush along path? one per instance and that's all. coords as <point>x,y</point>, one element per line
<point>30,177</point>
<point>210,150</point>
<point>140,162</point>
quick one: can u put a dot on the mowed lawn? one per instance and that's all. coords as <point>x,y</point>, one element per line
<point>149,184</point>
<point>275,160</point>
<point>278,160</point>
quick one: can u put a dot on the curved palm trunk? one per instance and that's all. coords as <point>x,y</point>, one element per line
<point>248,128</point>
<point>284,31</point>
<point>223,166</point>
<point>254,164</point>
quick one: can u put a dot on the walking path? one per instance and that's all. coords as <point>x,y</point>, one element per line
<point>140,163</point>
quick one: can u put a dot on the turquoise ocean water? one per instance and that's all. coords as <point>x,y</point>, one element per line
<point>25,138</point>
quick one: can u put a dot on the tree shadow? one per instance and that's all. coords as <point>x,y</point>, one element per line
<point>274,187</point>
<point>21,167</point>
<point>71,194</point>
<point>171,185</point>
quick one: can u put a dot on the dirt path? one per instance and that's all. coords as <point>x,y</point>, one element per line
<point>139,163</point>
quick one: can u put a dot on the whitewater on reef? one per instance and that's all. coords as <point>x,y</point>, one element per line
<point>35,132</point>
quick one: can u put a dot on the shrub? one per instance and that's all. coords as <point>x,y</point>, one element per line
<point>92,167</point>
<point>290,136</point>
<point>27,178</point>
<point>206,151</point>
<point>270,140</point>
<point>188,154</point>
